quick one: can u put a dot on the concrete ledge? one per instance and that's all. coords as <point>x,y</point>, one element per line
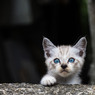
<point>36,89</point>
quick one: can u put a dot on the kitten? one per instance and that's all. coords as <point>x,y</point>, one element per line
<point>64,63</point>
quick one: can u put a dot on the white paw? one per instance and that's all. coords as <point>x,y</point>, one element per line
<point>48,80</point>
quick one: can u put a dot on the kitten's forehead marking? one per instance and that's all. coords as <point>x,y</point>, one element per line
<point>64,50</point>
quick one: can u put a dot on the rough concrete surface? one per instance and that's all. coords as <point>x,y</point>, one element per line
<point>37,89</point>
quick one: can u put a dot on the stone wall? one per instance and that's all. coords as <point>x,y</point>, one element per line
<point>37,89</point>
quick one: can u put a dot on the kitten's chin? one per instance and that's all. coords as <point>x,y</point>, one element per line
<point>64,74</point>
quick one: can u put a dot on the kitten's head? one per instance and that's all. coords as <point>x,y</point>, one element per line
<point>64,60</point>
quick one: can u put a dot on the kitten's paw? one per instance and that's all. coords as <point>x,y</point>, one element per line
<point>48,80</point>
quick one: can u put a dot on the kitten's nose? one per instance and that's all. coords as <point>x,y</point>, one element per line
<point>64,66</point>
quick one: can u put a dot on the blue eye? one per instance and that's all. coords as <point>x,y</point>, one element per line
<point>71,60</point>
<point>56,61</point>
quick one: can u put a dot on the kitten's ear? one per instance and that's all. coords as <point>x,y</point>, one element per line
<point>81,45</point>
<point>47,46</point>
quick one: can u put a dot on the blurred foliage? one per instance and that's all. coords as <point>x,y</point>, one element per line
<point>84,15</point>
<point>84,21</point>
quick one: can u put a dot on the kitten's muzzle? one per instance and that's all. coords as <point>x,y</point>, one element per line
<point>64,66</point>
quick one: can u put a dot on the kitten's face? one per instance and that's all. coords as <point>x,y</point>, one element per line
<point>64,60</point>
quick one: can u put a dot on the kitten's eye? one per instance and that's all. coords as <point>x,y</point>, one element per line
<point>71,60</point>
<point>56,61</point>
